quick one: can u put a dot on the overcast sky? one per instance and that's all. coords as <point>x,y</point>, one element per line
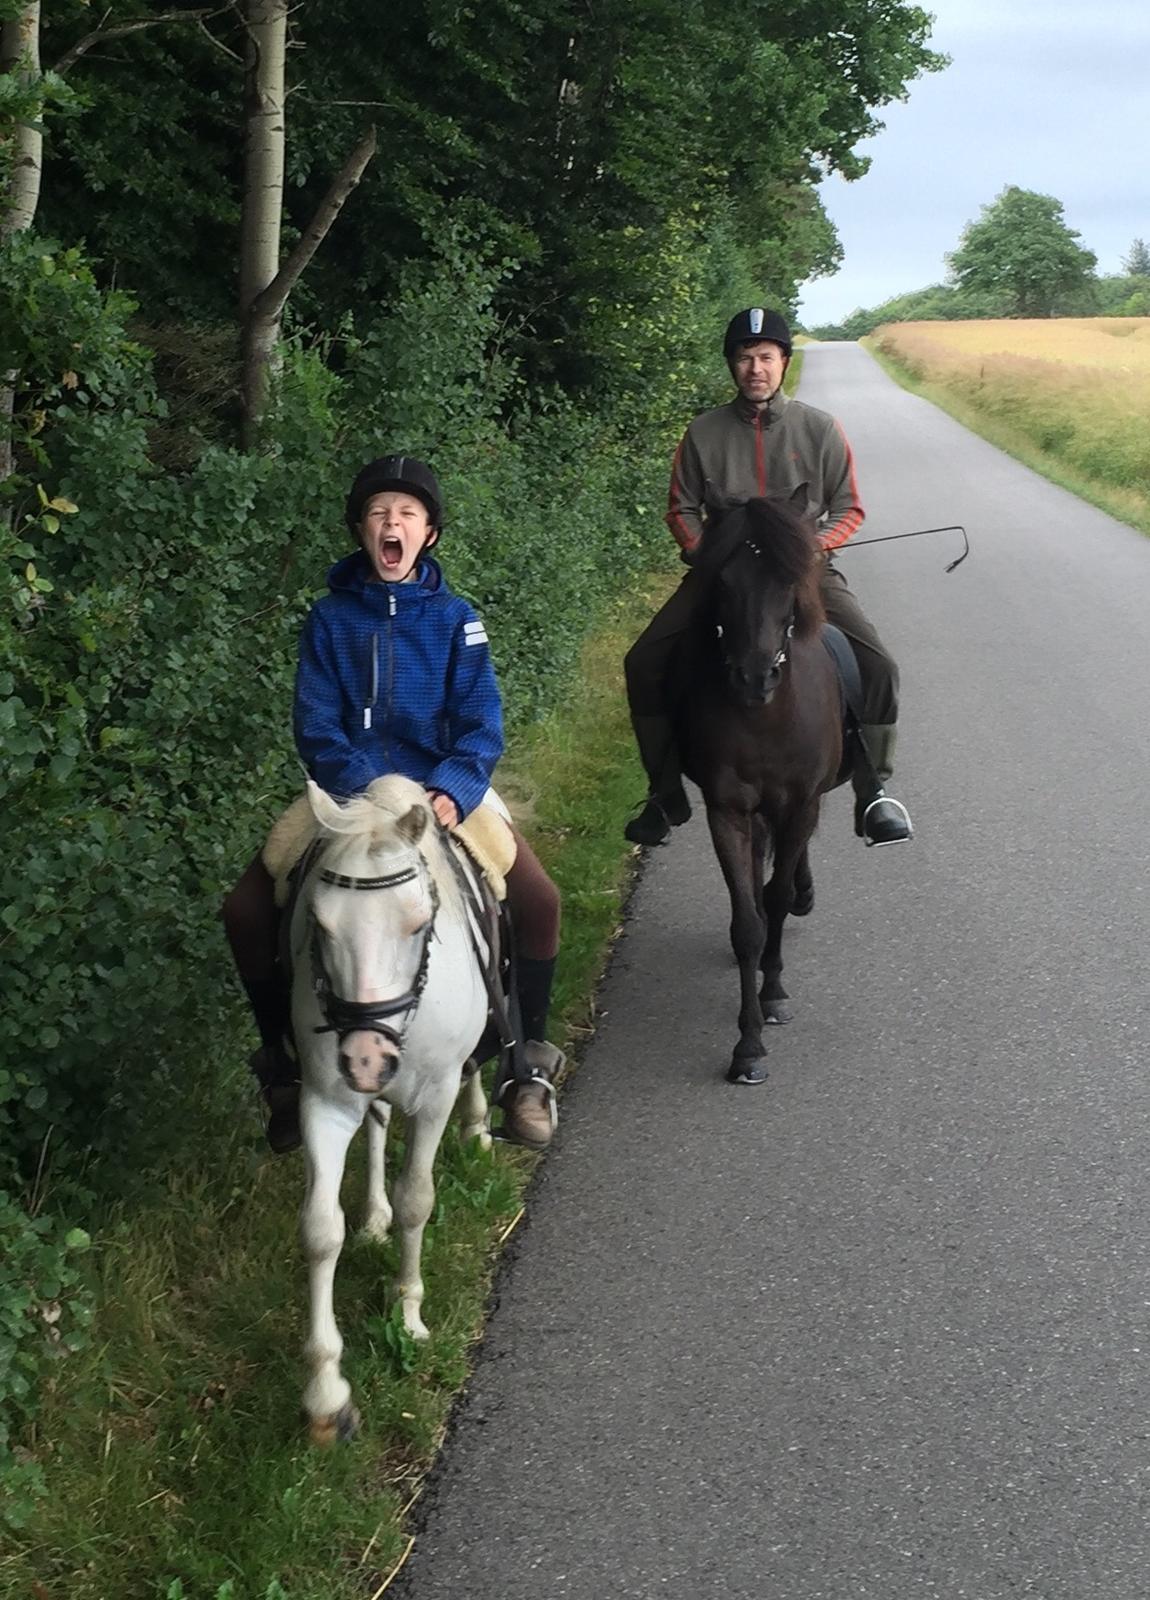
<point>1044,94</point>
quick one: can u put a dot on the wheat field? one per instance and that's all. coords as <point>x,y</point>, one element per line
<point>1076,389</point>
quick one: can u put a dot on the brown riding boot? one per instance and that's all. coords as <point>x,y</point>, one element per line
<point>529,1108</point>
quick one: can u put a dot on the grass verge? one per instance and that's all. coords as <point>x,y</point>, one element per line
<point>1128,504</point>
<point>176,1463</point>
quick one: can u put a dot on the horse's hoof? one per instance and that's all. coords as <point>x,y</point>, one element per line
<point>804,903</point>
<point>751,1071</point>
<point>338,1429</point>
<point>776,1013</point>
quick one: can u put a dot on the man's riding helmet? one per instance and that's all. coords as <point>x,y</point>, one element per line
<point>757,324</point>
<point>394,472</point>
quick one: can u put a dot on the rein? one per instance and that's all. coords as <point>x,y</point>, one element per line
<point>343,1017</point>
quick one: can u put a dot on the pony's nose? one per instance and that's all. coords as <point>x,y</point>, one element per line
<point>367,1061</point>
<point>757,686</point>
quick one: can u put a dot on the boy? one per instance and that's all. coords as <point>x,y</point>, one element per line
<point>395,675</point>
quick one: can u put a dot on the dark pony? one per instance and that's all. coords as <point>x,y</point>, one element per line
<point>761,734</point>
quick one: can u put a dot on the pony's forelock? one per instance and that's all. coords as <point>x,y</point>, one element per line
<point>372,818</point>
<point>782,540</point>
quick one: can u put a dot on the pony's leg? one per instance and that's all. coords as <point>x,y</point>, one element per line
<point>803,901</point>
<point>734,838</point>
<point>377,1216</point>
<point>472,1105</point>
<point>414,1198</point>
<point>327,1132</point>
<point>791,841</point>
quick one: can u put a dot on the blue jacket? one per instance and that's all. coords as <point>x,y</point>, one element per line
<point>397,677</point>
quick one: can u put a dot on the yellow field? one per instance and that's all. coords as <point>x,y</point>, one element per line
<point>1075,389</point>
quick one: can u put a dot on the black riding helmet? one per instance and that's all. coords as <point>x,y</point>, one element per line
<point>754,324</point>
<point>394,472</point>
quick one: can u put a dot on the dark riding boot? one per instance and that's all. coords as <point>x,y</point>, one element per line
<point>278,1078</point>
<point>529,1112</point>
<point>272,1065</point>
<point>666,806</point>
<point>879,817</point>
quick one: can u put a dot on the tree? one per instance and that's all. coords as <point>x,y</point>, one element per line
<point>1137,263</point>
<point>264,284</point>
<point>1021,252</point>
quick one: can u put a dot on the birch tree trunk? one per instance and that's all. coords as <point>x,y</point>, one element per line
<point>264,145</point>
<point>19,53</point>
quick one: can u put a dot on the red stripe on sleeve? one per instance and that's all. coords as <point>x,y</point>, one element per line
<point>684,535</point>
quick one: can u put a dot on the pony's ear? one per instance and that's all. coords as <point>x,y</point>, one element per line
<point>412,824</point>
<point>324,809</point>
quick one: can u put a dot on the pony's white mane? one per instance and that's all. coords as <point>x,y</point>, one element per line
<point>372,819</point>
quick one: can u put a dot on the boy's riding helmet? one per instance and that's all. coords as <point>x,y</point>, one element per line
<point>394,472</point>
<point>756,324</point>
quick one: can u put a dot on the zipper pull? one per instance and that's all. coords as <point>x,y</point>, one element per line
<point>367,716</point>
<point>390,604</point>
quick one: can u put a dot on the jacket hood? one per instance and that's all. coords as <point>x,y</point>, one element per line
<point>354,575</point>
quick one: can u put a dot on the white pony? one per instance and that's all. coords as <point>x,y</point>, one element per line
<point>388,1003</point>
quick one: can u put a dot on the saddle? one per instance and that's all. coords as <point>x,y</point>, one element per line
<point>841,652</point>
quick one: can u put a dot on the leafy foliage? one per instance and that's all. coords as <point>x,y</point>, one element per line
<point>44,1315</point>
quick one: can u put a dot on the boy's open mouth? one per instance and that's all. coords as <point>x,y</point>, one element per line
<point>392,552</point>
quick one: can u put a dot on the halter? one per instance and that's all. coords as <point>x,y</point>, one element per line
<point>343,1017</point>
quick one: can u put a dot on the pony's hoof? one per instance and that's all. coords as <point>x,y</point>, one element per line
<point>803,903</point>
<point>751,1071</point>
<point>338,1429</point>
<point>776,1013</point>
<point>481,1134</point>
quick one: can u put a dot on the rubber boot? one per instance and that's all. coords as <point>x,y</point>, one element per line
<point>879,817</point>
<point>666,806</point>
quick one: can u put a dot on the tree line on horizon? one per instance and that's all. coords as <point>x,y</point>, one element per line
<point>1019,258</point>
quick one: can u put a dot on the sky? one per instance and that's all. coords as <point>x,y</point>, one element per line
<point>1042,94</point>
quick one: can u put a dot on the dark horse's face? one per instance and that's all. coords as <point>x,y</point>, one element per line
<point>756,621</point>
<point>760,562</point>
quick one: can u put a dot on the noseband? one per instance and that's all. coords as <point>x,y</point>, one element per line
<point>343,1017</point>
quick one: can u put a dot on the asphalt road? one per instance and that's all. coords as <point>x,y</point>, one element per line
<point>878,1328</point>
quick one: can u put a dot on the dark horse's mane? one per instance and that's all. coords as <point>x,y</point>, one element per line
<point>782,539</point>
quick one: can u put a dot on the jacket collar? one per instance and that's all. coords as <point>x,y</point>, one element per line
<point>771,412</point>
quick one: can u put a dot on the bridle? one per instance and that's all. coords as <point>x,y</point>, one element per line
<point>343,1017</point>
<point>782,654</point>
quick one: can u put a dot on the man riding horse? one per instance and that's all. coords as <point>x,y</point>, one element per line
<point>761,443</point>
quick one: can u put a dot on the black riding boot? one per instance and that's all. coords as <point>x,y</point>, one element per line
<point>879,818</point>
<point>667,805</point>
<point>272,1066</point>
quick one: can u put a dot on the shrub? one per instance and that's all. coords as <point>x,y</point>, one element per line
<point>44,1314</point>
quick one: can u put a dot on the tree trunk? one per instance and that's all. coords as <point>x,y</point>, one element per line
<point>264,144</point>
<point>19,53</point>
<point>262,319</point>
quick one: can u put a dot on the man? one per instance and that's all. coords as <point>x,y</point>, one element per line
<point>761,443</point>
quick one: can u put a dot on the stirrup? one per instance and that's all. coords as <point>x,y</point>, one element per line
<point>882,799</point>
<point>550,1100</point>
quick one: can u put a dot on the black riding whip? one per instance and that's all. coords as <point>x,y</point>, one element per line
<point>888,538</point>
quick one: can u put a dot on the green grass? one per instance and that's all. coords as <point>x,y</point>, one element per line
<point>176,1462</point>
<point>1017,434</point>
